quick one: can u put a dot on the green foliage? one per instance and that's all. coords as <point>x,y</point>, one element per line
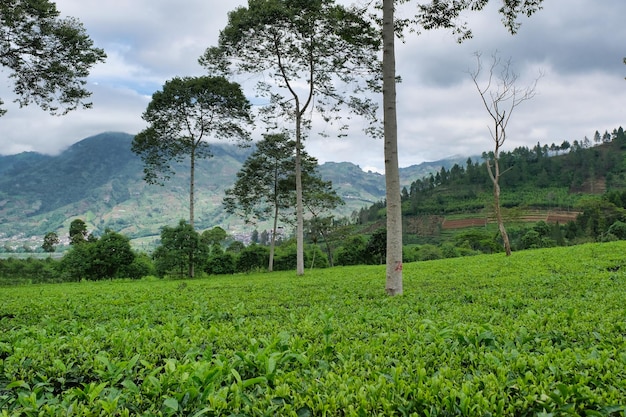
<point>214,236</point>
<point>263,188</point>
<point>110,254</point>
<point>181,249</point>
<point>15,271</point>
<point>539,333</point>
<point>253,258</point>
<point>78,232</point>
<point>478,240</point>
<point>47,57</point>
<point>618,229</point>
<point>598,214</point>
<point>537,177</point>
<point>76,263</point>
<point>376,247</point>
<point>97,259</point>
<point>429,253</point>
<point>50,240</point>
<point>330,46</point>
<point>352,252</point>
<point>220,262</point>
<point>180,118</point>
<point>140,267</point>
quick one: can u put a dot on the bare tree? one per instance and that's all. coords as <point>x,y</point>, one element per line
<point>500,96</point>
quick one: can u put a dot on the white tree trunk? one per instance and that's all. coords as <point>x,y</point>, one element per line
<point>392,172</point>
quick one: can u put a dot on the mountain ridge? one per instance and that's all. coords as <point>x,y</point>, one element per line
<point>100,180</point>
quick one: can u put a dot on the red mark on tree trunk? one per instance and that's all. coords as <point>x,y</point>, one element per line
<point>398,267</point>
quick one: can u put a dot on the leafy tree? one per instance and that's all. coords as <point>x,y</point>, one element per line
<point>353,251</point>
<point>181,248</point>
<point>329,230</point>
<point>236,247</point>
<point>262,187</point>
<point>95,258</point>
<point>253,257</point>
<point>50,240</point>
<point>287,256</point>
<point>265,186</point>
<point>477,240</point>
<point>140,267</point>
<point>376,247</point>
<point>78,232</point>
<point>76,263</point>
<point>429,252</point>
<point>181,117</point>
<point>618,229</point>
<point>109,254</point>
<point>220,262</point>
<point>214,236</point>
<point>48,57</point>
<point>312,55</point>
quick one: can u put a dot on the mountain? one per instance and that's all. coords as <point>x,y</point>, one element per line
<point>100,180</point>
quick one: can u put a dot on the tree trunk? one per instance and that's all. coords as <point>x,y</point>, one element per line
<point>329,250</point>
<point>270,267</point>
<point>392,172</point>
<point>495,178</point>
<point>299,204</point>
<point>192,182</point>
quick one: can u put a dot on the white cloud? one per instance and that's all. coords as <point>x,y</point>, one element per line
<point>579,44</point>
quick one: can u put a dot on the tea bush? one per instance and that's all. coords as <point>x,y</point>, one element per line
<point>540,333</point>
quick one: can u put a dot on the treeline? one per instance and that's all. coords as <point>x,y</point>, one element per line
<point>213,252</point>
<point>563,170</point>
<point>575,167</point>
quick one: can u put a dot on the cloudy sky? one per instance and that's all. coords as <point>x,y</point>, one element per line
<point>578,46</point>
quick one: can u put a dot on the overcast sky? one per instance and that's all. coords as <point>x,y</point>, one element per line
<point>578,45</point>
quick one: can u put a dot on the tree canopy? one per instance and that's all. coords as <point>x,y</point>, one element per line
<point>182,117</point>
<point>265,185</point>
<point>312,55</point>
<point>47,57</point>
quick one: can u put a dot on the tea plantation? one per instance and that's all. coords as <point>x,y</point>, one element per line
<point>542,333</point>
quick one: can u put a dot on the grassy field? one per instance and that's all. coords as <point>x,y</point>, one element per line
<point>542,333</point>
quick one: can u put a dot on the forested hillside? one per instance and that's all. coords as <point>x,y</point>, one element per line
<point>581,183</point>
<point>100,181</point>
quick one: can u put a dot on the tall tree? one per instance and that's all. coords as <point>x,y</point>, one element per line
<point>265,185</point>
<point>48,57</point>
<point>181,118</point>
<point>393,284</point>
<point>430,15</point>
<point>500,97</point>
<point>312,55</point>
<point>261,189</point>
